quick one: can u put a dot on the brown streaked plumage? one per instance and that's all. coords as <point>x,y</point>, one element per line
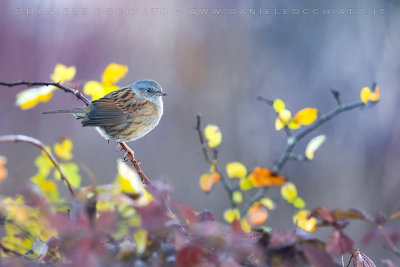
<point>126,114</point>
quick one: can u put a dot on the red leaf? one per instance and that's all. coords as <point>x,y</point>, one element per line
<point>186,211</point>
<point>153,216</point>
<point>322,213</point>
<point>369,236</point>
<point>279,240</point>
<point>351,214</point>
<point>190,255</point>
<point>317,256</point>
<point>205,216</point>
<point>338,243</point>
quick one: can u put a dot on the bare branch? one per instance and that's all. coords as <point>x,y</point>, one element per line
<point>130,154</point>
<point>78,94</point>
<point>201,138</point>
<point>224,180</point>
<point>40,145</point>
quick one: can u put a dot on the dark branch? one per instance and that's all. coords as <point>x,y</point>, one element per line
<point>40,145</point>
<point>78,94</point>
<point>224,180</point>
<point>292,140</point>
<point>201,138</point>
<point>130,154</point>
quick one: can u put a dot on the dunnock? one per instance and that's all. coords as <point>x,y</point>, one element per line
<point>124,115</point>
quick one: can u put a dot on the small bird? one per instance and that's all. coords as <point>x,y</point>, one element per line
<point>124,115</point>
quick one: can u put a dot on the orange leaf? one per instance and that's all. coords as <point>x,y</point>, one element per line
<point>306,116</point>
<point>3,170</point>
<point>374,97</point>
<point>264,177</point>
<point>208,180</point>
<point>257,214</point>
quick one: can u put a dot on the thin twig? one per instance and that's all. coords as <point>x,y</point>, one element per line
<point>389,241</point>
<point>40,145</point>
<point>130,154</point>
<point>78,94</point>
<point>201,138</point>
<point>292,140</point>
<point>81,97</point>
<point>224,180</point>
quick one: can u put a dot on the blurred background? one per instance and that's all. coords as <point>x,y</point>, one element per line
<point>217,65</point>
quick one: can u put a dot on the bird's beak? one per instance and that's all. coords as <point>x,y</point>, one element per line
<point>161,94</point>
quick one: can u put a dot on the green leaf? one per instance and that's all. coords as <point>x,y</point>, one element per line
<point>71,171</point>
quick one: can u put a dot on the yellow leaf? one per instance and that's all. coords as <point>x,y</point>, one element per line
<point>278,105</point>
<point>63,73</point>
<point>43,163</point>
<point>299,203</point>
<point>245,184</point>
<point>231,214</point>
<point>31,97</point>
<point>208,180</point>
<point>289,192</point>
<point>140,237</point>
<point>109,88</point>
<point>130,182</point>
<point>264,177</point>
<point>237,197</point>
<point>71,171</point>
<point>279,124</point>
<point>300,219</point>
<point>306,116</point>
<point>63,149</point>
<point>365,94</point>
<point>293,124</point>
<point>3,170</point>
<point>285,115</point>
<point>94,89</point>
<point>244,224</point>
<point>268,203</point>
<point>50,191</point>
<point>213,135</point>
<point>236,170</point>
<point>257,214</point>
<point>113,73</point>
<point>313,145</point>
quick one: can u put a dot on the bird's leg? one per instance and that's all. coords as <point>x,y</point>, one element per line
<point>126,158</point>
<point>119,147</point>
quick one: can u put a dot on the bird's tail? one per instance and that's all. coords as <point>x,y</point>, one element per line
<point>74,110</point>
<point>79,113</point>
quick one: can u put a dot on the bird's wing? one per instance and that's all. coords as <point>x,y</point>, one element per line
<point>112,109</point>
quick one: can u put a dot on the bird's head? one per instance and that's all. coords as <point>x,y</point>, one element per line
<point>148,89</point>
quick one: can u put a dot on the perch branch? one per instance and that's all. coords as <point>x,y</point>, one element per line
<point>135,163</point>
<point>80,96</point>
<point>40,145</point>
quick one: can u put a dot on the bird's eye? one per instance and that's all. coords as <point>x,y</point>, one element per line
<point>148,90</point>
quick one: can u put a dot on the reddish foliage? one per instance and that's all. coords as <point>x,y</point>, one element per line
<point>317,256</point>
<point>338,243</point>
<point>190,255</point>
